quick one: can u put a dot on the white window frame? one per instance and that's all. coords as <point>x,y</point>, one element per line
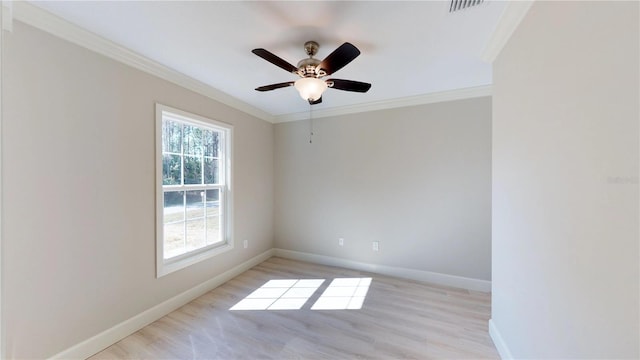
<point>167,266</point>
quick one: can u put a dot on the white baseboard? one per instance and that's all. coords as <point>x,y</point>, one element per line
<point>420,275</point>
<point>498,341</point>
<point>110,336</point>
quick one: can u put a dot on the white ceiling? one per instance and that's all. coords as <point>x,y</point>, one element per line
<point>408,48</point>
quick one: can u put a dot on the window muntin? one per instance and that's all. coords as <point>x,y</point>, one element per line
<point>194,214</point>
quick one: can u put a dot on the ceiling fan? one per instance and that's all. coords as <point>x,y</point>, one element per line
<point>311,71</point>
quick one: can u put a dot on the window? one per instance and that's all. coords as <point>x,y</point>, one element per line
<point>193,173</point>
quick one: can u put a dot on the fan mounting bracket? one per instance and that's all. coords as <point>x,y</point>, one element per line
<point>311,48</point>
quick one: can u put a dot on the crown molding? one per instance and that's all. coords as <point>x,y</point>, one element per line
<point>511,17</point>
<point>46,21</point>
<point>459,94</point>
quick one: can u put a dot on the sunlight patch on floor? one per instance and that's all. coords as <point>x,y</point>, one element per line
<point>342,294</point>
<point>292,294</point>
<point>284,294</point>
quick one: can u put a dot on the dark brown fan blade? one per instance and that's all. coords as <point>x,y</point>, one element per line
<point>274,86</point>
<point>311,102</point>
<point>349,85</point>
<point>275,60</point>
<point>340,57</point>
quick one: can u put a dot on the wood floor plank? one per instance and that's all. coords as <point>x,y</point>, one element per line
<point>399,319</point>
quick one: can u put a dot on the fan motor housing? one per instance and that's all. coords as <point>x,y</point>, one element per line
<point>307,67</point>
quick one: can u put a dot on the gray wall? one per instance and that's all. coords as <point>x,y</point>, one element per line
<point>565,183</point>
<point>416,179</point>
<point>78,201</point>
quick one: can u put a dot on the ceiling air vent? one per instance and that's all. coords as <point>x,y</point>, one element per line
<point>463,4</point>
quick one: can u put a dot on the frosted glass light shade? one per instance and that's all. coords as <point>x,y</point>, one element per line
<point>310,88</point>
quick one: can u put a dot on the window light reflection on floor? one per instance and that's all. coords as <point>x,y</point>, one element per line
<point>343,293</point>
<point>284,294</point>
<point>292,294</point>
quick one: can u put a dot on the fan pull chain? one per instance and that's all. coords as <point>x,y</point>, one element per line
<point>310,124</point>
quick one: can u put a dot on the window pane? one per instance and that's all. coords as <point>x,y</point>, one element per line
<point>213,229</point>
<point>171,170</point>
<point>171,136</point>
<point>174,240</point>
<point>195,204</point>
<point>211,172</point>
<point>192,140</point>
<point>213,202</point>
<point>173,206</point>
<point>193,170</point>
<point>211,143</point>
<point>214,233</point>
<point>195,234</point>
<point>173,223</point>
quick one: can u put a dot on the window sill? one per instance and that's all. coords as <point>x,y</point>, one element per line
<point>167,266</point>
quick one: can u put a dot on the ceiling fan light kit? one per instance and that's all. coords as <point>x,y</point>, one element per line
<point>310,86</point>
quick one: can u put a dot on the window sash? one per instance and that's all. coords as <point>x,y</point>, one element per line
<point>222,213</point>
<point>222,135</point>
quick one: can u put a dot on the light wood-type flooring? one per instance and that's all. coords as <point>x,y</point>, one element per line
<point>399,319</point>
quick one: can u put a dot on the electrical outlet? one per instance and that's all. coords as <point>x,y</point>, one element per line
<point>341,242</point>
<point>376,246</point>
<point>245,244</point>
